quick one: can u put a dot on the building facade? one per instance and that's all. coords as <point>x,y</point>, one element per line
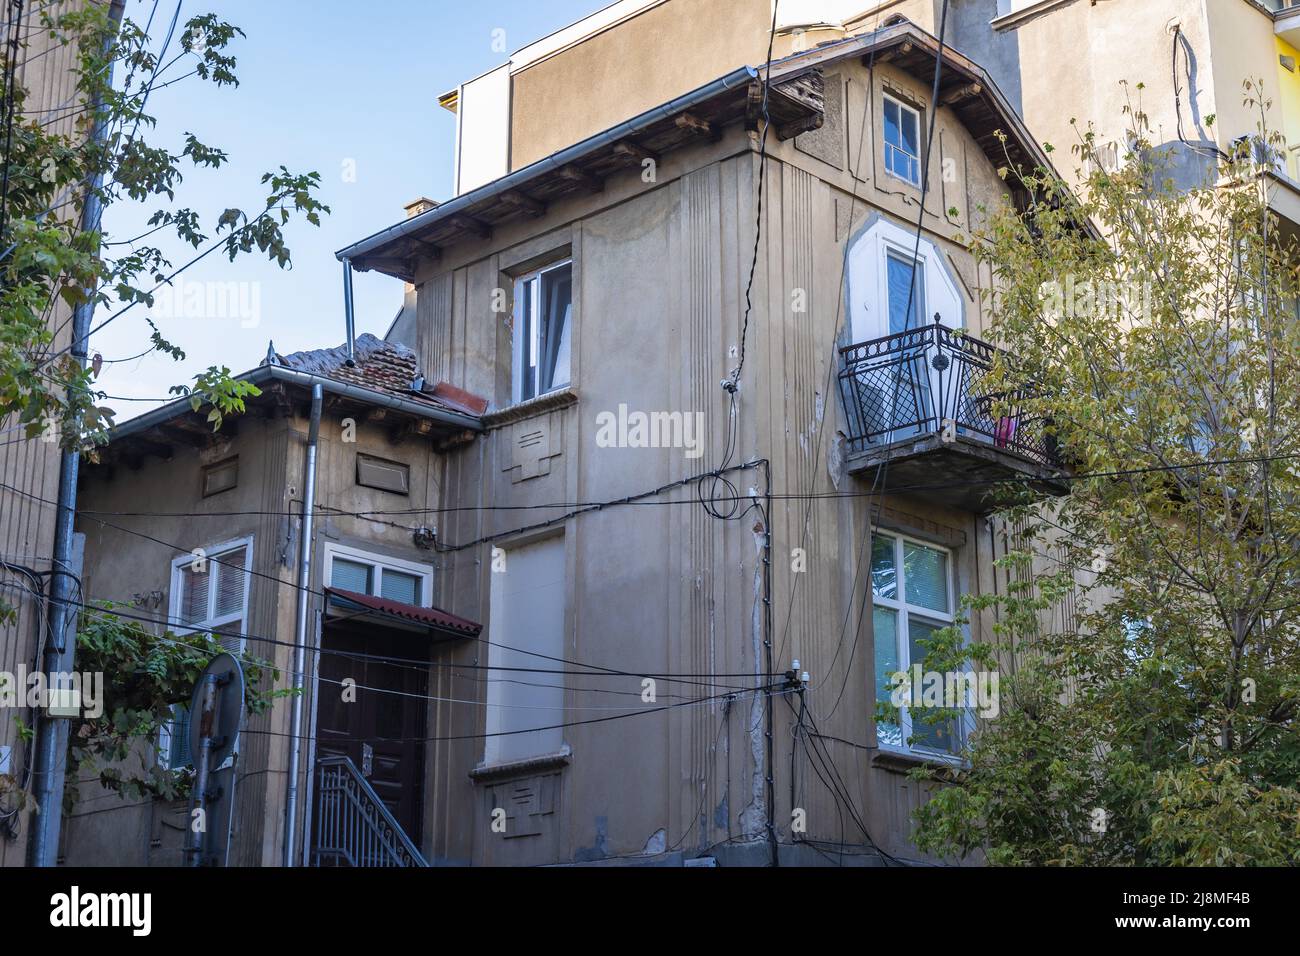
<point>730,435</point>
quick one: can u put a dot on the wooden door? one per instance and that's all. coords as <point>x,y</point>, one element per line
<point>379,722</point>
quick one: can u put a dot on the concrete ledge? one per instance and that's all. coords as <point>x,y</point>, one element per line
<point>517,768</point>
<point>541,405</point>
<point>1010,21</point>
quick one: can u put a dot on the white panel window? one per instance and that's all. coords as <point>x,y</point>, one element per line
<point>543,331</point>
<point>912,597</point>
<point>209,593</point>
<point>526,630</point>
<point>349,569</point>
<point>902,141</point>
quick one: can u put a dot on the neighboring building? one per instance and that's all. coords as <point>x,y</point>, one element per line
<point>237,495</point>
<point>1060,61</point>
<point>29,468</point>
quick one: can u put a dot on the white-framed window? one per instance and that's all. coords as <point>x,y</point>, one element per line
<point>543,330</point>
<point>902,141</point>
<point>209,591</point>
<point>350,569</point>
<point>912,596</point>
<point>209,594</point>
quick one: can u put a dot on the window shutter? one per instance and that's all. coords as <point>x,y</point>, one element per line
<point>231,637</point>
<point>350,576</point>
<point>396,586</point>
<point>194,593</point>
<point>385,475</point>
<point>232,582</point>
<point>179,752</point>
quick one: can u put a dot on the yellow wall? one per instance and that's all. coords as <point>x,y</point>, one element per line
<point>1289,105</point>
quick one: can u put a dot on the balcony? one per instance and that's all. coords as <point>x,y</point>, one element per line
<point>922,419</point>
<point>1286,19</point>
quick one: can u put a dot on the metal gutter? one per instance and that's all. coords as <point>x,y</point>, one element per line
<point>300,632</point>
<point>742,76</point>
<point>264,373</point>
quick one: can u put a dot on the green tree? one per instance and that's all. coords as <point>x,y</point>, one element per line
<point>54,166</point>
<point>1158,724</point>
<point>145,674</point>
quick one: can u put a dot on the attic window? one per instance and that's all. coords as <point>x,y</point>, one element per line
<point>220,477</point>
<point>385,475</point>
<point>902,141</point>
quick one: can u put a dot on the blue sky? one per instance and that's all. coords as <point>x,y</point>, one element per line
<point>347,89</point>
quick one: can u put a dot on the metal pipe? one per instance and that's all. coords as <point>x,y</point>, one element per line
<point>309,808</point>
<point>60,650</point>
<point>202,772</point>
<point>348,318</point>
<point>300,637</point>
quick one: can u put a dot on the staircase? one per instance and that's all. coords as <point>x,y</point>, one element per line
<point>352,827</point>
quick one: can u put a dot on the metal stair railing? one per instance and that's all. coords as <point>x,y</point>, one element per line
<point>351,825</point>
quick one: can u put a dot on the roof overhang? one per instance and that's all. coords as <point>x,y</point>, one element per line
<point>796,104</point>
<point>154,432</point>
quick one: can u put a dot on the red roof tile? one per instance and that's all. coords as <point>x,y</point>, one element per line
<point>383,367</point>
<point>429,616</point>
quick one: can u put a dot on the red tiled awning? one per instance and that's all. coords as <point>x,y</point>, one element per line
<point>430,617</point>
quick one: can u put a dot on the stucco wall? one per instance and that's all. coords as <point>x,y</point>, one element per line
<point>624,71</point>
<point>660,272</point>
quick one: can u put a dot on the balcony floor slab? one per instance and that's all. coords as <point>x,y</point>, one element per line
<point>962,473</point>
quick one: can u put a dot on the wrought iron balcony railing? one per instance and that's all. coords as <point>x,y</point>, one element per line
<point>935,381</point>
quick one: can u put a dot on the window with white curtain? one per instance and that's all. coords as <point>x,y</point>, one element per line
<point>526,629</point>
<point>210,592</point>
<point>912,597</point>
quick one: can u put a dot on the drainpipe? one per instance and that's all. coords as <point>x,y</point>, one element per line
<point>347,312</point>
<point>300,637</point>
<point>60,650</point>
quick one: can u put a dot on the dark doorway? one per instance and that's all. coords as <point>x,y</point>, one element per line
<point>381,731</point>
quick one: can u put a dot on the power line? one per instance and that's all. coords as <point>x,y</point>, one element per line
<point>596,670</point>
<point>769,691</point>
